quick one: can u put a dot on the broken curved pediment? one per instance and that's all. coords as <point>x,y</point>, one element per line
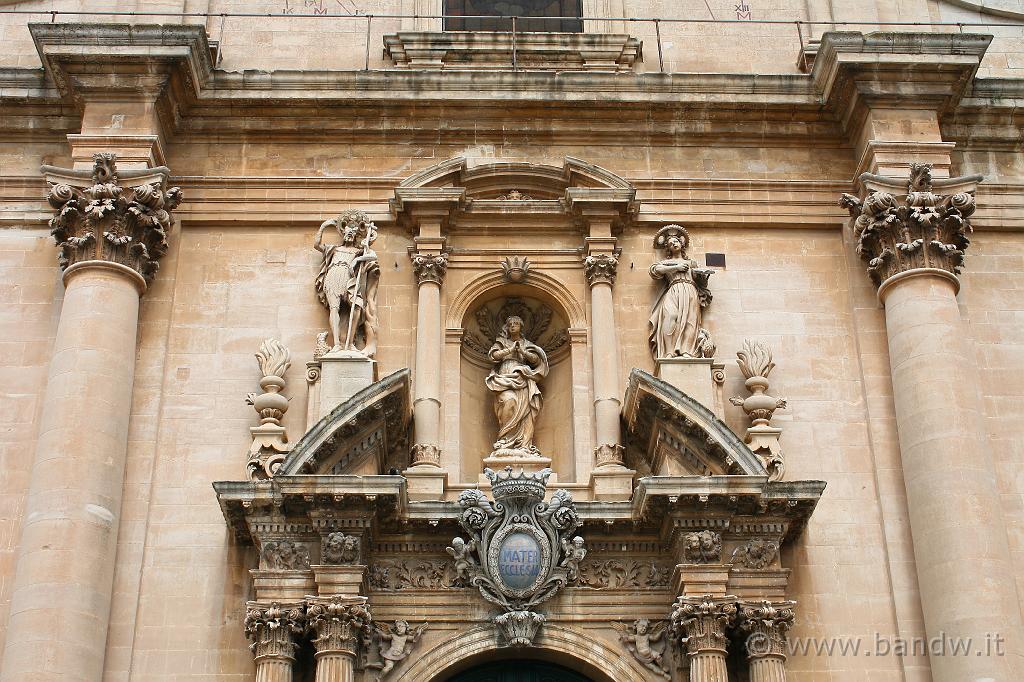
<point>671,434</point>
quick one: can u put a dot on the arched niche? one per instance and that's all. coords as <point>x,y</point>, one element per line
<point>546,324</point>
<point>555,643</point>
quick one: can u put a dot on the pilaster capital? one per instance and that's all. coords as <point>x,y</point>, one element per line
<point>274,628</point>
<point>766,625</point>
<point>600,268</point>
<point>921,230</point>
<point>429,267</point>
<point>702,622</point>
<point>338,623</point>
<point>102,215</point>
<point>414,206</point>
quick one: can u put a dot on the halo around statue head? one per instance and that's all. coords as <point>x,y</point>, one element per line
<point>662,237</point>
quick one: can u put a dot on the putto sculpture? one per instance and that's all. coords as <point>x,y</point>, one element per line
<point>395,644</point>
<point>675,323</point>
<point>519,366</point>
<point>347,283</point>
<point>519,554</point>
<point>647,644</point>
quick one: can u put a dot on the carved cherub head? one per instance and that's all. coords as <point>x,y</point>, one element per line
<point>641,626</point>
<point>674,239</point>
<point>459,544</point>
<point>401,627</point>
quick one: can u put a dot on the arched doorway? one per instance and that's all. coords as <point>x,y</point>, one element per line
<point>513,670</point>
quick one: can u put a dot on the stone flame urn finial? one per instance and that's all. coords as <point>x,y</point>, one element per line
<point>755,361</point>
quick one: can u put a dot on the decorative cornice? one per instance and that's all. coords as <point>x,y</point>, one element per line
<point>600,268</point>
<point>924,231</point>
<point>103,215</point>
<point>274,629</point>
<point>766,624</point>
<point>701,622</point>
<point>429,267</point>
<point>338,623</point>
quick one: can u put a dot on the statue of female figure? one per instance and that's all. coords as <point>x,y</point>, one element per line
<point>518,365</point>
<point>675,323</point>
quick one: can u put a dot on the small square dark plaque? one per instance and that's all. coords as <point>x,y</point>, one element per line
<point>714,260</point>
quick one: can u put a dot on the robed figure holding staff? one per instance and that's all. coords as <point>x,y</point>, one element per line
<point>347,283</point>
<point>519,365</point>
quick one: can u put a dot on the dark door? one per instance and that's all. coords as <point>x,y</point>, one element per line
<point>519,671</point>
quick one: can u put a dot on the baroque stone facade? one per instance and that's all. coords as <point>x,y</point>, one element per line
<point>546,290</point>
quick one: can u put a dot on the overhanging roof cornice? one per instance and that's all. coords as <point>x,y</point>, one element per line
<point>173,62</point>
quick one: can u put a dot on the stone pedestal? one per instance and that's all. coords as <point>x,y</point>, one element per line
<point>425,482</point>
<point>339,579</point>
<point>696,377</point>
<point>342,375</point>
<point>612,483</point>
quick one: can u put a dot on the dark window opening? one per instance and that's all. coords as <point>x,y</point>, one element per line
<point>457,12</point>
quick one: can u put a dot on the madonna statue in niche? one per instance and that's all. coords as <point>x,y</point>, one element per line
<point>675,324</point>
<point>519,364</point>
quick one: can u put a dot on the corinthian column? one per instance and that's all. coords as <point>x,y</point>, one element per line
<point>600,269</point>
<point>111,232</point>
<point>274,629</point>
<point>338,625</point>
<point>703,622</point>
<point>430,269</point>
<point>766,625</point>
<point>914,249</point>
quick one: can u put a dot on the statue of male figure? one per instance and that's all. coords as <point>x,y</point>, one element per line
<point>347,283</point>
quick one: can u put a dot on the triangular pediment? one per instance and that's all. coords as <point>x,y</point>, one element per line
<point>671,434</point>
<point>363,435</point>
